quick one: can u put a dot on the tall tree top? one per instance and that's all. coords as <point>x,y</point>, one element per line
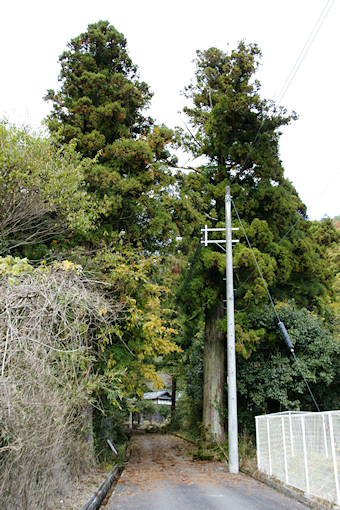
<point>105,48</point>
<point>101,105</point>
<point>100,99</point>
<point>234,127</point>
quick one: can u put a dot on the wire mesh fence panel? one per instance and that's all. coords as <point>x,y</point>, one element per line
<point>301,450</point>
<point>277,453</point>
<point>262,445</point>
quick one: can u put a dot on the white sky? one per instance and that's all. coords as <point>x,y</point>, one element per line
<point>162,40</point>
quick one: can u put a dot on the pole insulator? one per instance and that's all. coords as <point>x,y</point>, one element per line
<point>286,336</point>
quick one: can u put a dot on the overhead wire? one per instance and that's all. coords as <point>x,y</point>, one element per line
<point>276,245</point>
<point>306,383</point>
<point>262,127</point>
<point>305,49</point>
<point>293,72</point>
<point>256,263</point>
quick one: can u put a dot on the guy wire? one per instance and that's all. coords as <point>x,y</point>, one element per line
<point>272,303</point>
<point>310,391</point>
<point>257,265</point>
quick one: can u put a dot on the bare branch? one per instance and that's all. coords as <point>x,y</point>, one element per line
<point>49,322</point>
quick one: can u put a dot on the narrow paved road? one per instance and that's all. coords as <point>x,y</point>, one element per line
<point>161,475</point>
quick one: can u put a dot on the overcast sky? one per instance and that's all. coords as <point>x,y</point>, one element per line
<point>162,40</point>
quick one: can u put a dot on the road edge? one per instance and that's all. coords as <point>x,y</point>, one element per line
<point>288,491</point>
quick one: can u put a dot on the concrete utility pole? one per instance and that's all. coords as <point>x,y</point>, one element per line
<point>231,363</point>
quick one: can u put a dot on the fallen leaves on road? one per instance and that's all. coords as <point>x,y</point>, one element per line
<point>157,458</point>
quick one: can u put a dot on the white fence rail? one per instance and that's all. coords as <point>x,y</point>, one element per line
<point>301,450</point>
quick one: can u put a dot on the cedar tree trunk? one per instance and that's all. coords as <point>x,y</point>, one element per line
<point>214,369</point>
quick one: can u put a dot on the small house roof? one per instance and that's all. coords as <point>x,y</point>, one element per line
<point>153,395</point>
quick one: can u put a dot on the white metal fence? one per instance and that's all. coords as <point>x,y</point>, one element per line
<point>301,450</point>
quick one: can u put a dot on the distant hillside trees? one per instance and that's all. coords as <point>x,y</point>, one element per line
<point>336,221</point>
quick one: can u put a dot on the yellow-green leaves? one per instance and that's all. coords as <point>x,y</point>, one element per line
<point>145,331</point>
<point>42,192</point>
<point>14,265</point>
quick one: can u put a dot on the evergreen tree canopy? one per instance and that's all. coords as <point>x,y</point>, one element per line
<point>234,127</point>
<point>101,99</point>
<point>100,105</point>
<point>238,132</point>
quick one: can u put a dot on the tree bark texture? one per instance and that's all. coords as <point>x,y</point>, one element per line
<point>214,370</point>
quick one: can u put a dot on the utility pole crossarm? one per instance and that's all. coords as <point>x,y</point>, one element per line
<point>205,232</point>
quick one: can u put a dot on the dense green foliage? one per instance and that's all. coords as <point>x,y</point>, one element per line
<point>42,194</point>
<point>100,106</point>
<point>147,329</point>
<point>191,404</point>
<point>101,99</point>
<point>239,133</point>
<point>227,113</point>
<point>270,380</point>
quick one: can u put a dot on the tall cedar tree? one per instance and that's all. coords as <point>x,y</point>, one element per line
<point>101,104</point>
<point>238,133</point>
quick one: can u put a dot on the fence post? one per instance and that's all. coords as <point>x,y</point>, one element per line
<point>284,447</point>
<point>269,448</point>
<point>336,478</point>
<point>258,447</point>
<point>305,452</point>
<point>291,433</point>
<point>325,434</point>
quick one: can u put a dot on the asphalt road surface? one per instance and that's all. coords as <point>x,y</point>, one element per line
<point>161,475</point>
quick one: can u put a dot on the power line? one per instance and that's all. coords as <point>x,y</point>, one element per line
<point>306,383</point>
<point>257,265</point>
<point>293,72</point>
<point>276,245</point>
<point>305,49</point>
